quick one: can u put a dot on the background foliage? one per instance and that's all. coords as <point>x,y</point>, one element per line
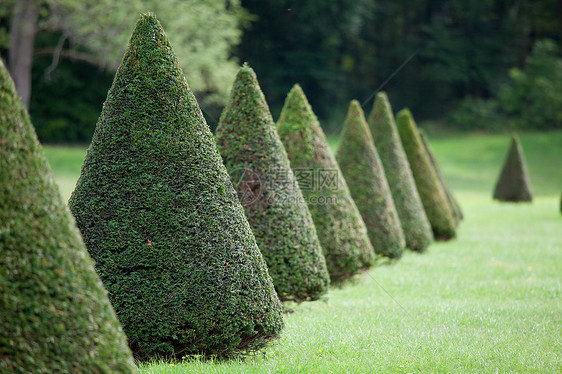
<point>466,65</point>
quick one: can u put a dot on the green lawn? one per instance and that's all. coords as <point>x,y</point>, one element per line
<point>490,301</point>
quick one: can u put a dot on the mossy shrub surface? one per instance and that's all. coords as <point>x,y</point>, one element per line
<point>364,173</point>
<point>431,192</point>
<point>513,184</point>
<point>339,225</point>
<point>457,212</point>
<point>162,220</point>
<point>55,316</point>
<point>414,222</point>
<point>274,204</point>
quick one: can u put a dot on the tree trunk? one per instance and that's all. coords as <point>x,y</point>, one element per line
<point>20,52</point>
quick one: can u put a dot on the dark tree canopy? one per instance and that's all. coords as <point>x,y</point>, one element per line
<point>54,312</point>
<point>416,226</point>
<point>364,173</point>
<point>513,184</point>
<point>274,204</point>
<point>161,219</point>
<point>433,196</point>
<point>340,228</point>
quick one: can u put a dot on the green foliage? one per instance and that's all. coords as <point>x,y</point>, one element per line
<point>55,315</point>
<point>160,217</point>
<point>414,222</point>
<point>297,45</point>
<point>432,195</point>
<point>364,173</point>
<point>533,98</point>
<point>513,183</point>
<point>258,164</point>
<point>475,113</point>
<point>339,225</point>
<point>453,203</point>
<point>66,104</point>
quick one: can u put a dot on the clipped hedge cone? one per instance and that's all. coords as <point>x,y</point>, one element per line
<point>267,188</point>
<point>339,225</point>
<point>513,184</point>
<point>432,194</point>
<point>364,173</point>
<point>414,221</point>
<point>161,219</point>
<point>457,212</point>
<point>54,312</point>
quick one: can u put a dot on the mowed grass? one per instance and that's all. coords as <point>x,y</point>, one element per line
<point>489,301</point>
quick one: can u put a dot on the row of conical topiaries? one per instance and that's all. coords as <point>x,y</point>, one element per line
<point>192,263</point>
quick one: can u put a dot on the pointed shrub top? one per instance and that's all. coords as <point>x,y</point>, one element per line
<point>457,212</point>
<point>364,173</point>
<point>431,192</point>
<point>54,313</point>
<point>274,204</point>
<point>416,226</point>
<point>161,219</point>
<point>513,184</point>
<point>340,228</point>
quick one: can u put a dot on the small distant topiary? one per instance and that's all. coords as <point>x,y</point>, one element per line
<point>55,316</point>
<point>364,173</point>
<point>161,219</point>
<point>339,225</point>
<point>431,192</point>
<point>268,190</point>
<point>513,184</point>
<point>457,212</point>
<point>416,226</point>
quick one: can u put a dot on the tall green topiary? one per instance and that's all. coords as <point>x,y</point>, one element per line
<point>416,226</point>
<point>339,225</point>
<point>431,192</point>
<point>161,219</point>
<point>457,212</point>
<point>258,165</point>
<point>55,316</point>
<point>514,185</point>
<point>364,173</point>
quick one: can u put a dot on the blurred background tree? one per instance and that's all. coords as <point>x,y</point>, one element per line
<point>463,64</point>
<point>65,48</point>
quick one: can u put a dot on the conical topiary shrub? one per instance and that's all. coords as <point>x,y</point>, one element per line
<point>339,225</point>
<point>416,226</point>
<point>55,316</point>
<point>364,173</point>
<point>259,167</point>
<point>431,192</point>
<point>161,219</point>
<point>513,184</point>
<point>457,212</point>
